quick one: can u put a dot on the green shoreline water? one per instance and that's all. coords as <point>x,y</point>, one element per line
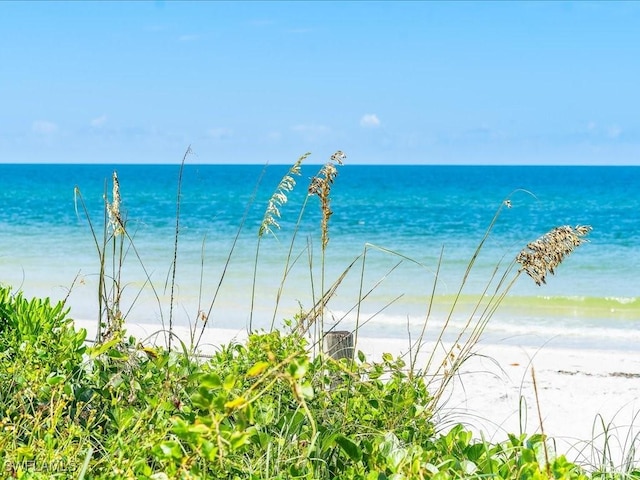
<point>588,307</point>
<point>626,308</point>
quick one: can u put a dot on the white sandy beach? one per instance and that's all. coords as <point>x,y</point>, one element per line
<point>578,390</point>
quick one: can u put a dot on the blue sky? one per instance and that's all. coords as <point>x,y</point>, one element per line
<point>257,82</point>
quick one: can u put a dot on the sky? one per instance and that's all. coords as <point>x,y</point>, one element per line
<point>264,82</point>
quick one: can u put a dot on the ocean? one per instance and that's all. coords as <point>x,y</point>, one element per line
<point>409,233</point>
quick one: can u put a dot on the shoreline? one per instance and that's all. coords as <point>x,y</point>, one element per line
<point>581,392</point>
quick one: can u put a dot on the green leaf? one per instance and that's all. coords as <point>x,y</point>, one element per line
<point>103,347</point>
<point>199,429</point>
<point>54,379</point>
<point>229,382</point>
<point>349,447</point>
<point>168,449</point>
<point>375,476</point>
<point>306,390</point>
<point>468,467</point>
<point>116,354</point>
<point>238,439</point>
<point>257,369</point>
<point>297,368</point>
<point>210,381</point>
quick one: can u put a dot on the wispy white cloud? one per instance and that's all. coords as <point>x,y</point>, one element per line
<point>369,120</point>
<point>261,22</point>
<point>274,136</point>
<point>98,121</point>
<point>155,28</point>
<point>219,133</point>
<point>189,37</point>
<point>311,132</point>
<point>611,132</point>
<point>300,30</point>
<point>614,131</point>
<point>44,127</point>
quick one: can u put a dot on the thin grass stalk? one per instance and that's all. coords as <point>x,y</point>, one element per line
<point>544,438</point>
<point>313,291</point>
<point>228,259</point>
<point>464,282</point>
<point>369,246</point>
<point>377,312</point>
<point>85,463</point>
<point>200,316</point>
<point>419,344</point>
<point>176,237</point>
<point>147,281</point>
<point>537,259</point>
<point>494,302</point>
<point>102,286</point>
<point>117,259</point>
<point>253,285</point>
<point>77,195</point>
<point>287,265</point>
<point>309,318</point>
<point>360,298</point>
<point>466,348</point>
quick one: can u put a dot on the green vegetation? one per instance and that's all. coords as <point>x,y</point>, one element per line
<point>270,408</point>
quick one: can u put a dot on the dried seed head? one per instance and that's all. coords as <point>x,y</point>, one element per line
<point>279,198</point>
<point>321,186</point>
<point>113,208</point>
<point>543,255</point>
<point>338,157</point>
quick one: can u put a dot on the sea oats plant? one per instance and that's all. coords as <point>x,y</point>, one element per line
<point>117,227</point>
<point>320,186</point>
<point>444,361</point>
<point>537,259</point>
<point>271,218</point>
<point>113,249</point>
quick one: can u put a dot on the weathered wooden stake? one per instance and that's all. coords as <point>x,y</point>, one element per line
<point>339,344</point>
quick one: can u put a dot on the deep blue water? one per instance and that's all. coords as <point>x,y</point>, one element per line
<point>415,211</point>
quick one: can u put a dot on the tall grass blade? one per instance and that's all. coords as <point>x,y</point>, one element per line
<point>174,263</point>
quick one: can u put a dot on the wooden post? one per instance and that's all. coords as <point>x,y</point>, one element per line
<point>339,344</point>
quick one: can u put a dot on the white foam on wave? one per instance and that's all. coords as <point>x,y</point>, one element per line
<point>569,330</point>
<point>622,300</point>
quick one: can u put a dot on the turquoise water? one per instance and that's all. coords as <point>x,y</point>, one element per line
<point>417,212</point>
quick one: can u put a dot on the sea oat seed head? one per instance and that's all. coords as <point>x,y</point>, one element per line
<point>113,208</point>
<point>321,186</point>
<point>544,254</point>
<point>338,157</point>
<point>279,198</point>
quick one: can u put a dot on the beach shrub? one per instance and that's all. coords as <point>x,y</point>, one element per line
<point>263,409</point>
<point>40,372</point>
